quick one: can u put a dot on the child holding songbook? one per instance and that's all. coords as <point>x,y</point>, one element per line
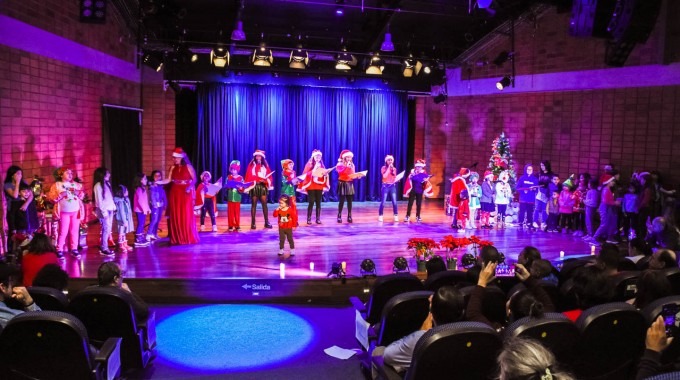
<point>416,186</point>
<point>234,196</point>
<point>389,187</point>
<point>206,201</point>
<point>288,183</point>
<point>346,176</point>
<point>284,213</point>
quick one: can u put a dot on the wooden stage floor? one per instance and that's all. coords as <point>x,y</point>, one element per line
<point>253,254</point>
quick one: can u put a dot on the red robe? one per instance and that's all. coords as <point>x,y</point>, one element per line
<point>314,183</point>
<point>463,205</point>
<point>257,173</point>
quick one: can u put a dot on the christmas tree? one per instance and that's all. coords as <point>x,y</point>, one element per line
<point>501,159</point>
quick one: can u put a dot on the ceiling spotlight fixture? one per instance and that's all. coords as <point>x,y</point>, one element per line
<point>503,57</point>
<point>153,62</point>
<point>219,56</point>
<point>344,60</point>
<point>262,56</point>
<point>387,44</point>
<point>376,65</point>
<point>504,82</point>
<point>299,58</point>
<point>238,34</point>
<point>411,67</point>
<point>340,7</point>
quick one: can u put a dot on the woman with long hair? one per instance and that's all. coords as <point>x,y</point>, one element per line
<point>104,207</point>
<point>182,177</point>
<point>259,174</point>
<point>12,189</point>
<point>39,253</point>
<point>315,183</point>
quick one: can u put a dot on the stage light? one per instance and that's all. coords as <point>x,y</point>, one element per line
<point>411,67</point>
<point>219,56</point>
<point>299,58</point>
<point>502,57</point>
<point>238,34</point>
<point>345,60</point>
<point>376,65</point>
<point>368,268</point>
<point>400,265</point>
<point>262,56</point>
<point>336,271</point>
<point>467,260</point>
<point>387,44</point>
<point>503,83</point>
<point>340,8</point>
<point>440,98</point>
<point>153,62</point>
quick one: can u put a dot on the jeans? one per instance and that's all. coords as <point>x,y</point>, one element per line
<point>541,212</point>
<point>141,220</point>
<point>106,220</point>
<point>609,220</point>
<point>528,210</point>
<point>156,214</point>
<point>590,220</point>
<point>388,191</point>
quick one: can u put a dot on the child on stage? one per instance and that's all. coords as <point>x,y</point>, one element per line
<point>475,195</point>
<point>259,174</point>
<point>158,201</point>
<point>284,213</point>
<point>389,187</point>
<point>141,208</point>
<point>124,221</point>
<point>316,182</point>
<point>234,196</point>
<point>418,184</point>
<point>288,182</point>
<point>460,199</point>
<point>346,176</point>
<point>486,201</point>
<point>503,197</point>
<point>206,202</point>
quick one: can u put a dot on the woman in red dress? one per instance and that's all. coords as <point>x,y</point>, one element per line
<point>181,223</point>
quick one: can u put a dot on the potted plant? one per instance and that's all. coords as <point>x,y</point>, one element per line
<point>451,244</point>
<point>423,248</point>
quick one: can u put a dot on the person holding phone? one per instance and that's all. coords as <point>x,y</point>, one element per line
<point>656,341</point>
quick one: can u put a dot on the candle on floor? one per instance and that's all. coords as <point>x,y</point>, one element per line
<point>561,254</point>
<point>311,266</point>
<point>344,266</point>
<point>592,250</point>
<point>282,270</point>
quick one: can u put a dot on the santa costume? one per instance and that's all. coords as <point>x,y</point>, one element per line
<point>259,174</point>
<point>460,199</point>
<point>314,185</point>
<point>206,203</point>
<point>234,197</point>
<point>288,182</point>
<point>417,185</point>
<point>346,171</point>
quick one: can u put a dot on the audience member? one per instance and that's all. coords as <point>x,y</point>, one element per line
<point>639,252</point>
<point>8,275</point>
<point>488,254</point>
<point>434,265</point>
<point>524,358</point>
<point>110,274</point>
<point>528,255</point>
<point>664,235</point>
<point>651,285</point>
<point>591,287</point>
<point>655,342</point>
<point>608,259</point>
<point>52,276</point>
<point>39,253</point>
<point>662,259</point>
<point>446,306</point>
<point>544,271</point>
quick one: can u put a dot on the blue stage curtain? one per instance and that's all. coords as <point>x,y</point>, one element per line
<point>288,122</point>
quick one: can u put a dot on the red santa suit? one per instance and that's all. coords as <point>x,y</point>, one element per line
<point>312,182</point>
<point>257,173</point>
<point>459,201</point>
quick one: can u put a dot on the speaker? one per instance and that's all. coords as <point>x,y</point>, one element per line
<point>633,20</point>
<point>590,18</point>
<point>93,11</point>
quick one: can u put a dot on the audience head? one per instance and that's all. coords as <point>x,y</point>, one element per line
<point>110,274</point>
<point>434,265</point>
<point>8,275</point>
<point>528,255</point>
<point>540,268</point>
<point>638,246</point>
<point>651,285</point>
<point>447,305</point>
<point>489,254</point>
<point>658,224</point>
<point>524,304</point>
<point>592,287</point>
<point>609,257</point>
<point>526,359</point>
<point>40,243</point>
<point>51,276</point>
<point>663,258</point>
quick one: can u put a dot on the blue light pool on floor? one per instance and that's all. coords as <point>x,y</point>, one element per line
<point>222,338</point>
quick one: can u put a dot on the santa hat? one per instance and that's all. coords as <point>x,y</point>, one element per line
<point>608,180</point>
<point>285,163</point>
<point>259,153</point>
<point>464,172</point>
<point>208,173</point>
<point>346,153</point>
<point>178,152</point>
<point>236,164</point>
<point>488,173</point>
<point>420,163</point>
<point>388,157</point>
<point>316,152</point>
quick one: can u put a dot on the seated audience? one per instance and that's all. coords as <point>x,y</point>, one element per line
<point>110,274</point>
<point>528,255</point>
<point>662,259</point>
<point>664,235</point>
<point>639,252</point>
<point>591,287</point>
<point>434,265</point>
<point>530,302</point>
<point>488,254</point>
<point>543,270</point>
<point>8,275</point>
<point>655,342</point>
<point>524,358</point>
<point>446,306</point>
<point>39,253</point>
<point>651,285</point>
<point>608,259</point>
<point>52,276</point>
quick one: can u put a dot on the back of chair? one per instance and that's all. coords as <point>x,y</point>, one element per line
<point>386,287</point>
<point>402,315</point>
<point>461,350</point>
<point>626,265</point>
<point>554,331</point>
<point>493,304</point>
<point>673,275</point>
<point>449,277</point>
<point>550,289</point>
<point>569,266</point>
<point>625,284</point>
<point>49,298</point>
<point>653,311</point>
<point>612,339</point>
<point>45,345</point>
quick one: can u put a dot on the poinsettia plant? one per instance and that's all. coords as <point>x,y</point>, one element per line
<point>423,247</point>
<point>449,242</point>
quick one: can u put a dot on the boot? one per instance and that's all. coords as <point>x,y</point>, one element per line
<point>339,217</point>
<point>309,217</point>
<point>349,218</point>
<point>318,216</point>
<point>266,223</point>
<point>252,223</point>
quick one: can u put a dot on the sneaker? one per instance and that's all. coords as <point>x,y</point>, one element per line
<point>150,238</point>
<point>237,229</point>
<point>60,256</point>
<point>141,243</point>
<point>612,241</point>
<point>214,229</point>
<point>396,218</point>
<point>75,253</point>
<point>418,220</point>
<point>535,225</point>
<point>267,225</point>
<point>105,252</point>
<point>380,218</point>
<point>230,229</point>
<point>202,228</point>
<point>280,252</point>
<point>407,218</point>
<point>292,252</point>
<point>121,249</point>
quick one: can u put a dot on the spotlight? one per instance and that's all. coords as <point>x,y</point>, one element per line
<point>503,83</point>
<point>299,58</point>
<point>400,265</point>
<point>387,44</point>
<point>153,62</point>
<point>238,34</point>
<point>194,58</point>
<point>467,260</point>
<point>345,60</point>
<point>336,271</point>
<point>376,65</point>
<point>219,56</point>
<point>411,66</point>
<point>339,9</point>
<point>502,57</point>
<point>262,56</point>
<point>427,69</point>
<point>368,268</point>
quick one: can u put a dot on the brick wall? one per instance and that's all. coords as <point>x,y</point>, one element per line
<point>158,123</point>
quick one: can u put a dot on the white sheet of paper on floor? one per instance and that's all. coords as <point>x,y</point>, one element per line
<point>340,353</point>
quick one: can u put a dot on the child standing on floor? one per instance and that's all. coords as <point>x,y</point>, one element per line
<point>630,209</point>
<point>234,196</point>
<point>416,186</point>
<point>475,195</point>
<point>553,212</point>
<point>104,207</point>
<point>502,198</point>
<point>579,208</point>
<point>141,208</point>
<point>158,202</point>
<point>206,202</point>
<point>285,217</point>
<point>123,219</point>
<point>486,200</point>
<point>288,183</point>
<point>566,202</point>
<point>592,202</point>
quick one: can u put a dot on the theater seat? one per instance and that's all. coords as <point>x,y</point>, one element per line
<point>383,289</point>
<point>449,277</point>
<point>555,331</point>
<point>612,339</point>
<point>53,345</point>
<point>493,304</point>
<point>673,275</point>
<point>625,285</point>
<point>107,312</point>
<point>49,298</point>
